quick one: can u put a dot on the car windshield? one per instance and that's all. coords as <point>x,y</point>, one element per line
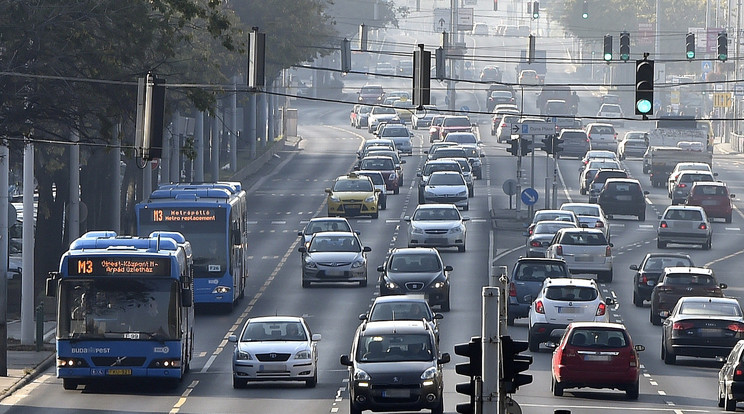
<point>592,211</point>
<point>325,243</point>
<point>274,331</point>
<point>394,348</point>
<point>471,152</point>
<point>385,110</point>
<point>598,338</point>
<point>553,215</point>
<point>710,308</point>
<point>376,178</point>
<point>689,279</point>
<point>446,179</point>
<point>538,272</point>
<point>574,135</point>
<point>414,263</point>
<point>462,138</point>
<point>464,164</point>
<point>450,153</point>
<point>400,311</point>
<point>679,214</point>
<point>326,225</point>
<point>377,164</point>
<point>394,132</point>
<point>691,178</point>
<point>436,214</point>
<point>437,120</point>
<point>610,108</point>
<point>657,264</point>
<point>571,293</point>
<point>456,122</point>
<point>353,185</point>
<point>584,239</point>
<point>602,130</point>
<point>365,109</point>
<point>431,168</point>
<point>551,228</point>
<point>710,190</point>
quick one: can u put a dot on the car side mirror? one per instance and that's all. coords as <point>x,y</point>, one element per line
<point>447,268</point>
<point>302,249</point>
<point>380,268</point>
<point>664,314</point>
<point>633,267</point>
<point>732,196</point>
<point>482,155</point>
<point>315,338</point>
<point>426,151</point>
<point>610,244</point>
<point>299,233</point>
<point>345,360</point>
<point>465,218</point>
<point>445,358</point>
<point>356,168</point>
<point>438,316</point>
<point>639,348</point>
<point>407,218</point>
<point>367,249</point>
<point>328,190</point>
<point>715,174</point>
<point>609,300</point>
<point>362,316</point>
<point>723,286</point>
<point>646,192</point>
<point>418,174</point>
<point>232,338</point>
<point>402,161</point>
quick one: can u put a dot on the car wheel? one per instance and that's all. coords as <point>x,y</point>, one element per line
<point>660,244</point>
<point>396,190</point>
<point>533,343</point>
<point>729,404</point>
<point>445,306</point>
<point>363,283</point>
<point>239,383</point>
<point>633,391</point>
<point>439,409</point>
<point>582,191</point>
<point>312,382</point>
<point>637,300</point>
<point>728,218</point>
<point>461,248</point>
<point>654,317</point>
<point>708,244</point>
<point>556,387</point>
<point>375,215</point>
<point>669,357</point>
<point>353,409</point>
<point>721,396</point>
<point>509,321</point>
<point>305,284</point>
<point>605,277</point>
<point>471,192</point>
<point>466,208</point>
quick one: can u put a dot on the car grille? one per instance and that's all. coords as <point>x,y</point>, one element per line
<point>274,356</point>
<point>437,231</point>
<point>414,285</point>
<point>334,264</point>
<point>111,361</point>
<point>353,200</point>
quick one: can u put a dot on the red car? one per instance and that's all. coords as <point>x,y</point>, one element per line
<point>713,197</point>
<point>386,166</point>
<point>454,123</point>
<point>596,355</point>
<point>436,123</point>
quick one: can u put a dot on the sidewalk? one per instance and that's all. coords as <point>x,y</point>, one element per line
<point>24,363</point>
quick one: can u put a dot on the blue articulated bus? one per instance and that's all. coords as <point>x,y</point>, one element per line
<point>125,308</point>
<point>212,217</point>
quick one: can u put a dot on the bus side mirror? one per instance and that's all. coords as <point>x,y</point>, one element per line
<point>235,237</point>
<point>51,284</point>
<point>187,298</point>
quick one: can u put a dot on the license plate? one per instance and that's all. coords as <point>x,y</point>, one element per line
<point>334,273</point>
<point>396,393</point>
<point>272,368</point>
<point>597,357</point>
<point>562,309</point>
<point>584,258</point>
<point>710,202</point>
<point>709,332</point>
<point>624,198</point>
<point>353,206</point>
<point>435,241</point>
<point>119,372</point>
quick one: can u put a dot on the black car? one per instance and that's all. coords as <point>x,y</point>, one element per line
<point>703,327</point>
<point>394,366</point>
<point>731,379</point>
<point>623,196</point>
<point>417,270</point>
<point>648,272</point>
<point>526,280</point>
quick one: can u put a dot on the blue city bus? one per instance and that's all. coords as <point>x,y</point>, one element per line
<point>212,217</point>
<point>125,308</point>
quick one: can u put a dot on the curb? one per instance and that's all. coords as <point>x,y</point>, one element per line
<point>28,378</point>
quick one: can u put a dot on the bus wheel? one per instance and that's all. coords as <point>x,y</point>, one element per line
<point>69,384</point>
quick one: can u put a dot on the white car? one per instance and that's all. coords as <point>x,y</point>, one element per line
<point>590,216</point>
<point>421,118</point>
<point>437,225</point>
<point>562,301</point>
<point>447,187</point>
<point>684,166</point>
<point>613,113</point>
<point>275,348</point>
<point>602,136</point>
<point>380,114</point>
<point>320,224</point>
<point>584,250</point>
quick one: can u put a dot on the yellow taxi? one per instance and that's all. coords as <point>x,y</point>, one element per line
<point>353,195</point>
<point>404,109</point>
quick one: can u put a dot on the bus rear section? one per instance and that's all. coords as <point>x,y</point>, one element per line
<point>124,309</point>
<point>212,217</point>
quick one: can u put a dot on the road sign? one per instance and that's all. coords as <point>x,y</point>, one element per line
<point>529,196</point>
<point>738,90</point>
<point>465,19</point>
<point>562,122</point>
<point>706,66</point>
<point>722,100</point>
<point>515,128</point>
<point>538,128</point>
<point>442,20</point>
<point>510,187</point>
<point>674,96</point>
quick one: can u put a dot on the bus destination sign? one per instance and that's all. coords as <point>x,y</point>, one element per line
<point>183,214</point>
<point>118,266</point>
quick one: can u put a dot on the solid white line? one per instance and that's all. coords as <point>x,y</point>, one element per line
<point>209,363</point>
<point>563,184</point>
<point>733,228</point>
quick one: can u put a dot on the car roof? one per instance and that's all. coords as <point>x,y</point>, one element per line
<point>580,230</point>
<point>400,298</point>
<point>441,161</point>
<point>569,281</point>
<point>691,172</point>
<point>696,208</point>
<point>377,157</point>
<point>446,172</point>
<point>591,124</point>
<point>593,205</point>
<point>414,250</point>
<point>336,233</point>
<point>708,299</point>
<point>622,180</point>
<point>353,176</point>
<point>613,325</point>
<point>709,183</point>
<point>399,327</point>
<point>276,319</point>
<point>369,172</point>
<point>328,219</point>
<point>541,259</point>
<point>433,206</point>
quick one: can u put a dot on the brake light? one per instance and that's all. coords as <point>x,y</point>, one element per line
<point>503,125</point>
<point>598,224</point>
<point>535,243</point>
<point>512,290</point>
<point>608,251</point>
<point>736,327</point>
<point>530,231</point>
<point>681,185</point>
<point>644,279</point>
<point>559,250</point>
<point>601,309</point>
<point>739,372</point>
<point>615,135</point>
<point>587,140</point>
<point>633,362</point>
<point>682,326</point>
<point>702,226</point>
<point>539,308</point>
<point>663,225</point>
<point>588,136</point>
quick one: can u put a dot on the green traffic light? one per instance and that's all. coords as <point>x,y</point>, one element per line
<point>608,57</point>
<point>644,106</point>
<point>690,55</point>
<point>722,57</point>
<point>624,57</point>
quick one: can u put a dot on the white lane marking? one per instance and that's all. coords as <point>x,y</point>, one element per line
<point>252,222</point>
<point>478,220</point>
<point>278,221</point>
<point>733,228</point>
<point>563,184</point>
<point>646,226</point>
<point>392,221</point>
<point>603,408</point>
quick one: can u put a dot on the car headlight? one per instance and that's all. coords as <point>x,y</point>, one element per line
<point>438,285</point>
<point>357,264</point>
<point>430,373</point>
<point>360,375</point>
<point>309,263</point>
<point>391,285</point>
<point>462,193</point>
<point>417,230</point>
<point>304,354</point>
<point>457,229</point>
<point>244,355</point>
<point>393,176</point>
<point>334,198</point>
<point>370,199</point>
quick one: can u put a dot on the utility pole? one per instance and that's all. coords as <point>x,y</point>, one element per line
<point>491,339</point>
<point>234,125</point>
<point>73,220</point>
<point>114,210</point>
<point>4,219</point>
<point>27,275</point>
<point>198,175</point>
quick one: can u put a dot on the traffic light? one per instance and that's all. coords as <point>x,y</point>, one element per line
<point>607,56</point>
<point>529,7</point>
<point>495,5</point>
<point>474,352</point>
<point>525,145</point>
<point>535,9</point>
<point>421,76</point>
<point>624,46</point>
<point>346,56</point>
<point>439,61</point>
<point>514,364</point>
<point>513,146</point>
<point>585,11</point>
<point>722,46</point>
<point>552,145</point>
<point>644,94</point>
<point>690,42</point>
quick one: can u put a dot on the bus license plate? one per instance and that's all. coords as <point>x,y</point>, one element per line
<point>119,372</point>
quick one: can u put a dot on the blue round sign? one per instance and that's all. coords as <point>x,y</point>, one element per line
<point>529,196</point>
<point>465,108</point>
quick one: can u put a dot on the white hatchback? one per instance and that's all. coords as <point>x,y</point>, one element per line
<point>562,301</point>
<point>584,250</point>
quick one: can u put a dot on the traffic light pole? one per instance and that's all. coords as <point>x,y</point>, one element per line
<point>491,347</point>
<point>555,181</point>
<point>518,204</point>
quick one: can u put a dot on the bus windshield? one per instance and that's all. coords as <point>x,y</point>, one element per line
<point>118,308</point>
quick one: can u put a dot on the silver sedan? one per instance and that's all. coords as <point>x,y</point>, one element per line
<point>435,225</point>
<point>541,236</point>
<point>334,257</point>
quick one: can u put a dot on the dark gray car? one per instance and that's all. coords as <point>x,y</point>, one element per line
<point>417,270</point>
<point>574,142</point>
<point>526,281</point>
